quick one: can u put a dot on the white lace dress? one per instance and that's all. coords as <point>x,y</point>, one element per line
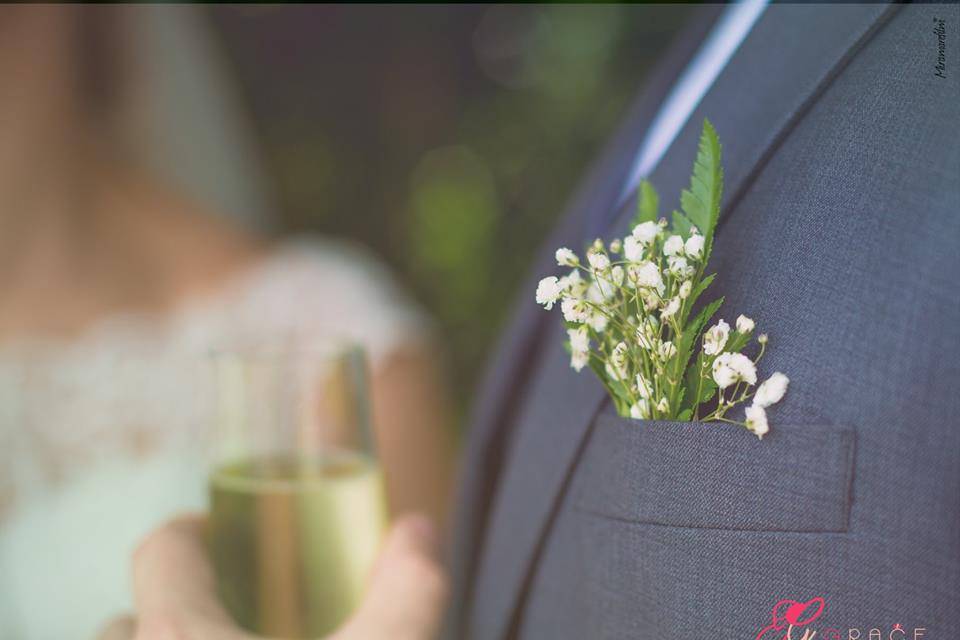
<point>102,438</point>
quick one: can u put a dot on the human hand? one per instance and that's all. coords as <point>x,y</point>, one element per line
<point>175,589</point>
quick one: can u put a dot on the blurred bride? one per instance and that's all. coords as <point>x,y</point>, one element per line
<point>113,280</point>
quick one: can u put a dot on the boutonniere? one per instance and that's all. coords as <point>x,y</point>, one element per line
<point>628,309</point>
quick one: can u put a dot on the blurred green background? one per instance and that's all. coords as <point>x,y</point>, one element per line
<point>446,138</point>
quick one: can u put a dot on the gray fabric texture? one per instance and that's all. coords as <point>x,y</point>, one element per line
<point>840,236</point>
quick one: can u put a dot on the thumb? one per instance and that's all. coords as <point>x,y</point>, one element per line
<point>407,592</point>
<point>175,588</point>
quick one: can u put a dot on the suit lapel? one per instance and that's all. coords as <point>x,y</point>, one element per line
<point>789,58</point>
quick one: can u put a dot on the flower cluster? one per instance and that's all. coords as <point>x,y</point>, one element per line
<point>628,309</point>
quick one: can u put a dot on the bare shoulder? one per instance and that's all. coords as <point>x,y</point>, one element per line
<point>188,250</point>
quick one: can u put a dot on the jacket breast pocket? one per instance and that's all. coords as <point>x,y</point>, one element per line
<point>718,476</point>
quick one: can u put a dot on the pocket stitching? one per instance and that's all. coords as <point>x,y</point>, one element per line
<point>841,441</point>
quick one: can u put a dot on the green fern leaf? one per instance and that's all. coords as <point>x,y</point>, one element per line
<point>681,224</point>
<point>687,345</point>
<point>614,389</point>
<point>699,289</point>
<point>701,202</point>
<point>737,341</point>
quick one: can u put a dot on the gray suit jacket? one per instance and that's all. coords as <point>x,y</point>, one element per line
<point>840,235</point>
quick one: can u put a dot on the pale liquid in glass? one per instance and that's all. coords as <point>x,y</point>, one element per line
<point>293,539</point>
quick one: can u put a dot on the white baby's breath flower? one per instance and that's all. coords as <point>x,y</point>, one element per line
<point>548,291</point>
<point>663,406</point>
<point>762,338</point>
<point>644,388</point>
<point>648,275</point>
<point>617,366</point>
<point>743,368</point>
<point>566,258</point>
<point>667,350</point>
<point>644,338</point>
<point>723,373</point>
<point>650,299</point>
<point>608,288</point>
<point>574,285</point>
<point>646,232</point>
<point>733,367</point>
<point>616,276</point>
<point>618,357</point>
<point>598,320</point>
<point>579,359</point>
<point>640,411</point>
<point>694,246</point>
<point>598,260</point>
<point>685,288</point>
<point>744,324</point>
<point>633,275</point>
<point>771,390</point>
<point>632,249</point>
<point>673,246</point>
<point>575,310</point>
<point>579,339</point>
<point>678,266</point>
<point>615,373</point>
<point>672,306</point>
<point>616,245</point>
<point>715,338</point>
<point>594,292</point>
<point>756,420</point>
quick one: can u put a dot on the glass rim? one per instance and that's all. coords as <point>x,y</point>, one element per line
<point>224,477</point>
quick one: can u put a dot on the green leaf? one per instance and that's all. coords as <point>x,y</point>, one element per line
<point>681,225</point>
<point>701,202</point>
<point>685,415</point>
<point>648,203</point>
<point>700,288</point>
<point>620,390</point>
<point>706,385</point>
<point>736,341</point>
<point>679,401</point>
<point>622,410</point>
<point>693,329</point>
<point>687,344</point>
<point>695,208</point>
<point>614,389</point>
<point>707,390</point>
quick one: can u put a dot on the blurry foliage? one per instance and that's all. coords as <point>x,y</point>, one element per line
<point>447,138</point>
<point>453,215</point>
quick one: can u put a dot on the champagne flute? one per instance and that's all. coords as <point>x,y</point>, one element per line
<point>296,493</point>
